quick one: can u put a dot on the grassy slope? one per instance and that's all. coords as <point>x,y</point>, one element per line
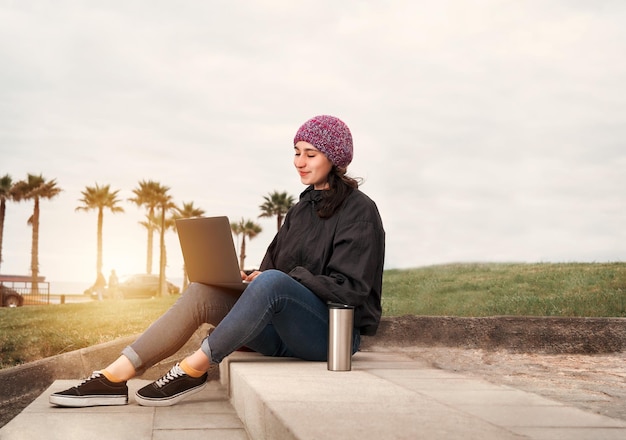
<point>34,332</point>
<point>571,289</point>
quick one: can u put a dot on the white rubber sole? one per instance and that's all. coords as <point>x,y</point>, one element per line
<point>170,401</point>
<point>83,401</point>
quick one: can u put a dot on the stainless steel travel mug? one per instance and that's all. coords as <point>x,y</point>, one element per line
<point>340,324</point>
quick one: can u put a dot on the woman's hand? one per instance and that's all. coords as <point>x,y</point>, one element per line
<point>252,276</point>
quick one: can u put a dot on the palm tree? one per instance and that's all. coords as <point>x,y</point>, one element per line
<point>170,224</point>
<point>35,188</point>
<point>276,204</point>
<point>147,195</point>
<point>6,193</point>
<point>164,202</point>
<point>187,211</point>
<point>98,198</point>
<point>246,229</point>
<point>151,223</point>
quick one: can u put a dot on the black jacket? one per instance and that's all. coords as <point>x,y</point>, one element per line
<point>340,258</point>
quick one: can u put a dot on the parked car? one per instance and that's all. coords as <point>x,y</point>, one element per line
<point>10,297</point>
<point>136,286</point>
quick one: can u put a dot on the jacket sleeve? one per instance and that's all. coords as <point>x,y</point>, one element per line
<point>357,256</point>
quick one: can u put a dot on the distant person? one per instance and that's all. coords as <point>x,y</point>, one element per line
<point>330,248</point>
<point>113,283</point>
<point>99,286</point>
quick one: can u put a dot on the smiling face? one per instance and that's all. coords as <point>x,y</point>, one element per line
<point>312,165</point>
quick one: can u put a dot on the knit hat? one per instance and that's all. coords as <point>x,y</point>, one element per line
<point>330,135</point>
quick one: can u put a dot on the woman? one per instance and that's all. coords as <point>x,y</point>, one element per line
<point>330,249</point>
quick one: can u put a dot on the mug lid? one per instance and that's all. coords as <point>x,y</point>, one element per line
<point>332,305</point>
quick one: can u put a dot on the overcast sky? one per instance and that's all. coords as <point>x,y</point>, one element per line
<point>488,130</point>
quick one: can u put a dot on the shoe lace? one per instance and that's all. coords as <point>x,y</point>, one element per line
<point>94,375</point>
<point>174,373</point>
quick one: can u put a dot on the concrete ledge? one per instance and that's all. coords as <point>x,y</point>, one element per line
<point>554,335</point>
<point>21,384</point>
<point>391,396</point>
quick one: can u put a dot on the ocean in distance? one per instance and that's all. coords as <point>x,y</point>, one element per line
<point>79,287</point>
<point>68,287</point>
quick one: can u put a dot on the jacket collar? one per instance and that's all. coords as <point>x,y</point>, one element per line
<point>311,195</point>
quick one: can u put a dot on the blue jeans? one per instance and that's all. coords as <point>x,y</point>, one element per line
<point>275,316</point>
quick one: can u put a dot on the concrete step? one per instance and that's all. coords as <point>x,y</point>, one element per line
<point>387,395</point>
<point>391,396</point>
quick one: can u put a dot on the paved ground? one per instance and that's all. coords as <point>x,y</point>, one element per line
<point>591,382</point>
<point>207,415</point>
<point>432,392</point>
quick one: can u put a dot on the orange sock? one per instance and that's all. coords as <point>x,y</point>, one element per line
<point>190,371</point>
<point>111,377</point>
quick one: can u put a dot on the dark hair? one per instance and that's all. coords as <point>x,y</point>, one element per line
<point>340,187</point>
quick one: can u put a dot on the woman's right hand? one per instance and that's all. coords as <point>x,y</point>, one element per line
<point>251,277</point>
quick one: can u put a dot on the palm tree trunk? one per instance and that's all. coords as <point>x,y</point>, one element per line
<point>185,278</point>
<point>34,253</point>
<point>150,243</point>
<point>3,210</point>
<point>99,239</point>
<point>162,286</point>
<point>149,255</point>
<point>242,254</point>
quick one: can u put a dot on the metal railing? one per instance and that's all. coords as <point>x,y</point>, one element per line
<point>33,293</point>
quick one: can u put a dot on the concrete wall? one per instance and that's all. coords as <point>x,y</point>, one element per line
<point>516,333</point>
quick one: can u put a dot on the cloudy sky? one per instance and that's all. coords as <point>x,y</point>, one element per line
<point>489,130</point>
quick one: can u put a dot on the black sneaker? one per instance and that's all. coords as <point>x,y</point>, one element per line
<point>96,390</point>
<point>170,389</point>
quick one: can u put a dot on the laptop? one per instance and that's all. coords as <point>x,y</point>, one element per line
<point>209,252</point>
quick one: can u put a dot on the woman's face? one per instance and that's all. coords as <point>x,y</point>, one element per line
<point>312,165</point>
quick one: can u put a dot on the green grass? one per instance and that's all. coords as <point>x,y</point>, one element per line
<point>35,332</point>
<point>573,289</point>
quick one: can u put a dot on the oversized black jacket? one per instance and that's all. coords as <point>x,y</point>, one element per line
<point>339,258</point>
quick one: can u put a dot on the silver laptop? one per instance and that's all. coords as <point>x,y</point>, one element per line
<point>209,252</point>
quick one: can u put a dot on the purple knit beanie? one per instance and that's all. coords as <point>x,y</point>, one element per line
<point>330,135</point>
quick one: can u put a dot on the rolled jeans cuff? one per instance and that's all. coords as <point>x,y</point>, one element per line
<point>134,358</point>
<point>207,350</point>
